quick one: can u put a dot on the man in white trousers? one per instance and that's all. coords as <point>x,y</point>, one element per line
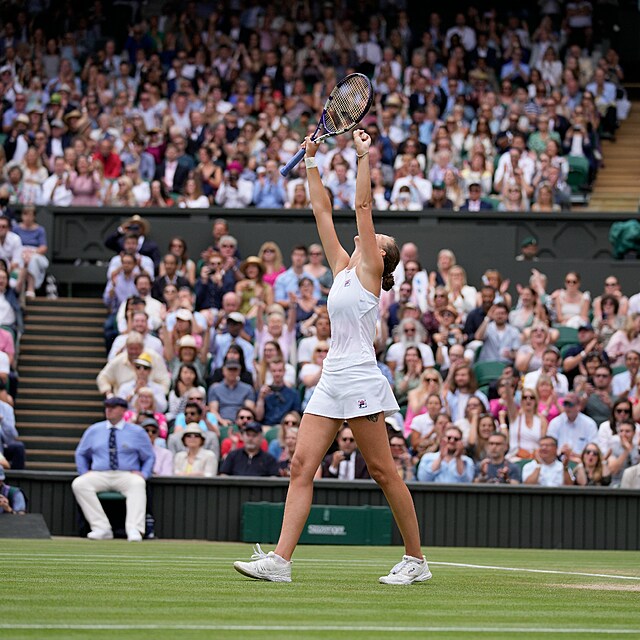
<point>113,455</point>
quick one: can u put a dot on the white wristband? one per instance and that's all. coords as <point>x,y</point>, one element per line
<point>310,163</point>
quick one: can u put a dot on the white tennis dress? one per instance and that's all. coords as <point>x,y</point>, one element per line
<point>351,384</point>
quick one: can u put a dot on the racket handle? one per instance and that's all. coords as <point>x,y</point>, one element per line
<point>293,163</point>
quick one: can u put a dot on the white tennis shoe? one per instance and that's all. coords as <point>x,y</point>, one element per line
<point>408,571</point>
<point>265,566</point>
<point>100,534</point>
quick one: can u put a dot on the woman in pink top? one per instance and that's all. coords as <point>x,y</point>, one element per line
<point>84,184</point>
<point>271,257</point>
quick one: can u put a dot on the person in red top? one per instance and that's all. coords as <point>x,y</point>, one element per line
<point>234,440</point>
<point>110,160</point>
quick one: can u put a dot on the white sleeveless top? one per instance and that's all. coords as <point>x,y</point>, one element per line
<point>353,311</point>
<point>523,437</point>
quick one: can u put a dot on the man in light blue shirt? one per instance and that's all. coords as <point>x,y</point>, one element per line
<point>500,339</point>
<point>113,455</point>
<point>449,465</point>
<point>269,191</point>
<point>287,282</point>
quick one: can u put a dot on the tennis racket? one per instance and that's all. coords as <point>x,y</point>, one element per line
<point>347,104</point>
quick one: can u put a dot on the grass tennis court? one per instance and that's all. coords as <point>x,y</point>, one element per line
<point>78,589</point>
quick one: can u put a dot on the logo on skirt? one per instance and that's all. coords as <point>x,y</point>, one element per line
<point>347,282</point>
<point>362,404</point>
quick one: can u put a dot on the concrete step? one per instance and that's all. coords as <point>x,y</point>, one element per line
<point>39,454</point>
<point>69,392</point>
<point>50,466</point>
<point>55,442</point>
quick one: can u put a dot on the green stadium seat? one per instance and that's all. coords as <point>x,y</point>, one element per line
<point>567,336</point>
<point>110,495</point>
<point>619,369</point>
<point>486,372</point>
<point>271,434</point>
<point>578,173</point>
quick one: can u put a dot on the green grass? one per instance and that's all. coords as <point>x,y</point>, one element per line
<point>170,589</point>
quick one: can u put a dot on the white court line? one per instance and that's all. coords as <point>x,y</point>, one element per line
<point>308,628</point>
<point>34,558</point>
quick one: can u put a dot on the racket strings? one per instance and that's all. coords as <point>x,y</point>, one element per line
<point>350,101</point>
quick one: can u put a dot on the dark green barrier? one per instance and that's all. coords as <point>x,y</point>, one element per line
<point>330,524</point>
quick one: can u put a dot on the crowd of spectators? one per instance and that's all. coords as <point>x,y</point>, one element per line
<point>217,357</point>
<point>198,105</point>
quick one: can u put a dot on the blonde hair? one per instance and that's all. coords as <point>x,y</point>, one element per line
<point>277,263</point>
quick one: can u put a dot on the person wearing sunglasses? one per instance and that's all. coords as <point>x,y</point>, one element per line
<point>593,471</point>
<point>495,468</point>
<point>448,465</point>
<point>625,450</point>
<point>346,463</point>
<point>572,304</point>
<point>599,398</point>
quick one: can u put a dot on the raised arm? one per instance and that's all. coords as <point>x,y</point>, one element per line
<point>337,257</point>
<point>372,264</point>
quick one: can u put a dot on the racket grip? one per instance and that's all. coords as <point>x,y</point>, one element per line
<point>293,163</point>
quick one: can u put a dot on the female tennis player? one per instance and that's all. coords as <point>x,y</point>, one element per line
<point>351,386</point>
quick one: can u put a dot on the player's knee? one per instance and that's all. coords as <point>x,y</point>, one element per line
<point>301,468</point>
<point>382,474</point>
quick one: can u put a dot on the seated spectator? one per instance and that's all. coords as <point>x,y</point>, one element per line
<point>251,287</point>
<point>544,200</point>
<point>408,376</point>
<point>10,312</point>
<point>186,381</point>
<point>122,369</point>
<point>310,372</point>
<point>631,478</point>
<point>500,341</point>
<point>593,471</point>
<point>401,457</point>
<point>438,199</point>
<point>271,257</point>
<point>346,463</point>
<point>548,404</point>
<point>158,196</point>
<point>276,399</point>
<point>163,463</point>
<point>143,406</point>
<point>529,355</point>
<point>227,396</point>
<point>597,399</point>
<point>495,468</point>
<point>513,198</point>
<point>276,331</point>
<point>610,319</point>
<point>475,202</point>
<point>130,247</point>
<point>130,389</point>
<point>195,461</point>
<point>462,385</point>
<point>408,333</point>
<point>621,342</point>
<point>277,446</point>
<point>269,191</point>
<point>34,250</point>
<point>251,459</point>
<point>572,429</point>
<point>11,448</point>
<point>483,425</point>
<point>624,383</point>
<point>192,196</point>
<point>572,305</point>
<point>526,427</point>
<point>137,321</point>
<point>547,470</point>
<point>549,367</point>
<point>461,295</point>
<point>140,227</point>
<point>168,275</point>
<point>195,412</point>
<point>317,329</point>
<point>85,184</point>
<point>612,289</point>
<point>286,456</point>
<point>448,465</point>
<point>624,451</point>
<point>12,500</point>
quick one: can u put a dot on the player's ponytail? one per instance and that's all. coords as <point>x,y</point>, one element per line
<point>391,258</point>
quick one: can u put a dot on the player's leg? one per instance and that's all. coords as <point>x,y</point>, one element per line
<point>314,438</point>
<point>370,433</point>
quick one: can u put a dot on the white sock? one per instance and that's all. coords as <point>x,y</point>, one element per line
<point>419,560</point>
<point>280,559</point>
